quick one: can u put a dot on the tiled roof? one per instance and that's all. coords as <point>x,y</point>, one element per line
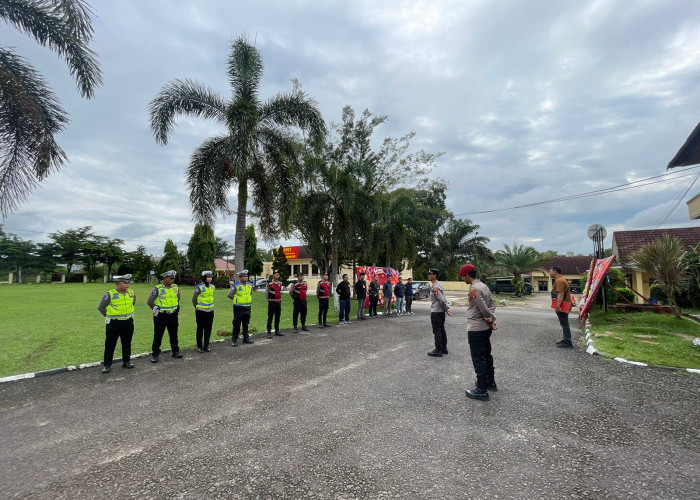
<point>569,265</point>
<point>224,264</point>
<point>628,242</point>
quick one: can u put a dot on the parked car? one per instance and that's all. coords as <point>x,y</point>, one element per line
<point>504,285</point>
<point>260,284</point>
<point>421,290</point>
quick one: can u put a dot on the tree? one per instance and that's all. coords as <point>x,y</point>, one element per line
<point>30,114</point>
<point>201,250</point>
<point>93,252</point>
<point>663,259</point>
<point>171,259</point>
<point>70,246</point>
<point>253,263</point>
<point>16,252</point>
<point>458,243</point>
<point>112,253</point>
<point>691,259</point>
<point>517,260</point>
<point>279,264</point>
<point>257,149</point>
<point>223,249</point>
<point>138,263</point>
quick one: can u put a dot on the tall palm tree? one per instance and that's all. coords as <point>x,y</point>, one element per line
<point>30,113</point>
<point>258,147</point>
<point>517,260</point>
<point>459,242</point>
<point>664,259</point>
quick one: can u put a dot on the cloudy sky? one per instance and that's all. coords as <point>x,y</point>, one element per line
<point>529,101</point>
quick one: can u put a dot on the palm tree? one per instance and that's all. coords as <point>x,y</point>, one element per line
<point>258,147</point>
<point>30,113</point>
<point>517,260</point>
<point>664,259</point>
<point>459,242</point>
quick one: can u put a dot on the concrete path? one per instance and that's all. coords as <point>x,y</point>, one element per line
<point>357,411</point>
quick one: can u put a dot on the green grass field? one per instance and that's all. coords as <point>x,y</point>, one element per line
<point>655,339</point>
<point>54,325</point>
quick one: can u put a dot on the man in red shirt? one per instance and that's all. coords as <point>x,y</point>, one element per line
<point>323,292</point>
<point>273,291</point>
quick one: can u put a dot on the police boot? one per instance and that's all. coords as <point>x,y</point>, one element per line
<point>177,355</point>
<point>436,353</point>
<point>128,365</point>
<point>247,340</point>
<point>278,334</point>
<point>154,358</point>
<point>235,341</point>
<point>303,328</point>
<point>477,393</point>
<point>269,335</point>
<point>106,369</point>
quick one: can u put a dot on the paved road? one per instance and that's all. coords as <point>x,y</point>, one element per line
<point>357,411</point>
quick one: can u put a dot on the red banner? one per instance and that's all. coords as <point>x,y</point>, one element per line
<point>383,274</point>
<point>291,253</point>
<point>596,279</point>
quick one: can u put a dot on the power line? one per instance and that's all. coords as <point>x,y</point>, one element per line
<point>669,212</point>
<point>613,189</point>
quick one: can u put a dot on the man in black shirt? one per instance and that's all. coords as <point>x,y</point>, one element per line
<point>343,291</point>
<point>361,296</point>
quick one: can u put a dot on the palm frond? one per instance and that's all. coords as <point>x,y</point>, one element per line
<point>264,198</point>
<point>63,27</point>
<point>30,118</point>
<point>295,109</point>
<point>209,177</point>
<point>245,68</point>
<point>183,97</point>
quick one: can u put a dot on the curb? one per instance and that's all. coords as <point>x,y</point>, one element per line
<point>590,349</point>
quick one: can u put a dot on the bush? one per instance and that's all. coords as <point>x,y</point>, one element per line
<point>625,292</point>
<point>222,281</point>
<point>657,292</point>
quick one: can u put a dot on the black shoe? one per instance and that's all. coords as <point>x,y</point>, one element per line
<point>326,325</point>
<point>199,349</point>
<point>362,318</point>
<point>248,341</point>
<point>128,365</point>
<point>444,351</point>
<point>269,335</point>
<point>106,369</point>
<point>565,344</point>
<point>321,326</point>
<point>477,393</point>
<point>347,321</point>
<point>304,329</point>
<point>436,353</point>
<point>154,358</point>
<point>235,343</point>
<point>207,349</point>
<point>177,355</point>
<point>295,330</point>
<point>492,386</point>
<point>278,334</point>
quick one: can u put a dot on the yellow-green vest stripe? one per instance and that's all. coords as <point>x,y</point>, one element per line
<point>243,295</point>
<point>167,298</point>
<point>205,299</point>
<point>121,305</point>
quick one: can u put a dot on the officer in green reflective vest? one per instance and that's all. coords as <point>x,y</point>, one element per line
<point>117,306</point>
<point>165,302</point>
<point>242,295</point>
<point>203,301</point>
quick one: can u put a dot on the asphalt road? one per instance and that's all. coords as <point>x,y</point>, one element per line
<point>357,411</point>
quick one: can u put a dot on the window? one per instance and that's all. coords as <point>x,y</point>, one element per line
<point>314,269</point>
<point>305,269</point>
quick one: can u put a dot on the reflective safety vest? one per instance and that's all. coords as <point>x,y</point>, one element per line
<point>121,305</point>
<point>205,299</point>
<point>243,295</point>
<point>166,299</point>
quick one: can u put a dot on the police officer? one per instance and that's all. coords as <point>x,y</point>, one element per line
<point>273,291</point>
<point>298,292</point>
<point>117,305</point>
<point>242,295</point>
<point>323,292</point>
<point>480,323</point>
<point>165,302</point>
<point>438,308</point>
<point>203,301</point>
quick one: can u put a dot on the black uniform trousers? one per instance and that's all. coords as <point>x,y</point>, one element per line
<point>322,310</point>
<point>241,316</point>
<point>480,347</point>
<point>299,310</point>
<point>361,306</point>
<point>437,319</point>
<point>564,322</point>
<point>409,302</point>
<point>205,319</point>
<point>160,323</point>
<point>118,329</point>
<point>373,299</point>
<point>274,310</point>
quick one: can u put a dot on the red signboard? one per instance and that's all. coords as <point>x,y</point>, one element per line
<point>596,279</point>
<point>383,275</point>
<point>291,253</point>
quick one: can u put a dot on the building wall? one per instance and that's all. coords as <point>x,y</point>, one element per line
<point>694,207</point>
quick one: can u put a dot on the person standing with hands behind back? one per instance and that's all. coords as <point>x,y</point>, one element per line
<point>203,301</point>
<point>241,293</point>
<point>165,302</point>
<point>343,291</point>
<point>438,308</point>
<point>117,306</point>
<point>323,292</point>
<point>361,296</point>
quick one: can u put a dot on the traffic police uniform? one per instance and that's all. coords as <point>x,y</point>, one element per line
<point>118,309</point>
<point>165,302</point>
<point>298,292</point>
<point>242,296</point>
<point>203,301</point>
<point>438,308</point>
<point>273,291</point>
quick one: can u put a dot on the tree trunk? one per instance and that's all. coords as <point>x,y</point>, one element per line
<point>239,259</point>
<point>334,269</point>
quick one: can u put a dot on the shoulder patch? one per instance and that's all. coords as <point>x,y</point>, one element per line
<point>472,292</point>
